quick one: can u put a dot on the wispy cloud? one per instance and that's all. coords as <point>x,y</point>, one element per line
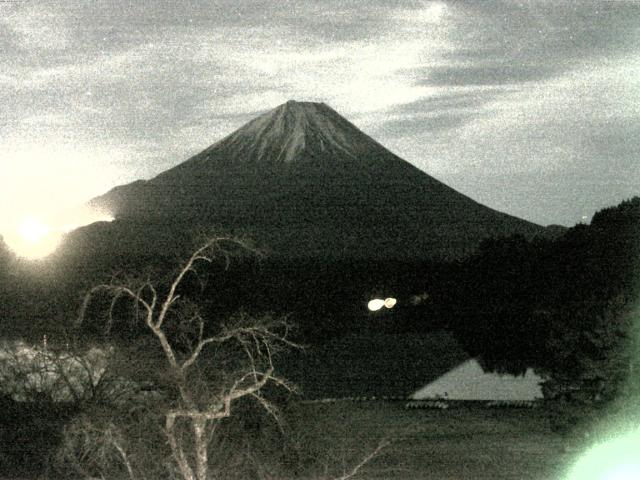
<point>461,88</point>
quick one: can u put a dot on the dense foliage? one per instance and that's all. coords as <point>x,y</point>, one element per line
<point>566,307</point>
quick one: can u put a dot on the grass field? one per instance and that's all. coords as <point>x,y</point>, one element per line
<point>459,443</point>
<point>454,444</point>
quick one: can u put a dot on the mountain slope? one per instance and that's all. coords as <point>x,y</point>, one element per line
<point>304,181</point>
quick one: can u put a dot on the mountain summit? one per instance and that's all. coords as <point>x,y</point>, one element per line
<point>294,136</point>
<point>290,131</point>
<point>304,181</point>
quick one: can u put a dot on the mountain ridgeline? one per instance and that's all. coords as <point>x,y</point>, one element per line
<point>302,181</point>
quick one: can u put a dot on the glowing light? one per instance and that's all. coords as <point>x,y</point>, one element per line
<point>33,230</point>
<point>34,238</point>
<point>375,304</point>
<point>614,460</point>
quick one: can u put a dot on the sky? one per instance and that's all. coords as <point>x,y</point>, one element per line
<point>529,107</point>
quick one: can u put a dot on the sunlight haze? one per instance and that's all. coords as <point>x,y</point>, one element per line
<point>32,237</point>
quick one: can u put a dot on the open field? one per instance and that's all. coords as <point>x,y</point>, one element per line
<point>454,444</point>
<point>459,443</point>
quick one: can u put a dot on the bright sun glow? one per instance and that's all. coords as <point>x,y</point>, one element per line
<point>33,238</point>
<point>33,230</point>
<point>614,460</point>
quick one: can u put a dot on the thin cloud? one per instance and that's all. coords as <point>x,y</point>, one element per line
<point>453,86</point>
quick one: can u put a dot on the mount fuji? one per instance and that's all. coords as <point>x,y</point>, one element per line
<point>305,182</point>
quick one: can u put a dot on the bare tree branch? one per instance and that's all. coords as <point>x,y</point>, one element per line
<point>354,471</point>
<point>258,340</point>
<point>198,255</point>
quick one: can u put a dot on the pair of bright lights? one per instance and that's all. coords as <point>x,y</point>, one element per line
<point>377,303</point>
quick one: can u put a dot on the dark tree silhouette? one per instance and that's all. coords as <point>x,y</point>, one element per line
<point>565,307</point>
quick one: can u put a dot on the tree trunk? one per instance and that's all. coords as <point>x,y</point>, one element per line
<point>202,462</point>
<point>176,450</point>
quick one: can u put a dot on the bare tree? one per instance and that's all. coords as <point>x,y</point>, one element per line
<point>30,373</point>
<point>179,329</point>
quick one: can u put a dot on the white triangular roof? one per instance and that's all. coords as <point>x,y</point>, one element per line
<point>468,381</point>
